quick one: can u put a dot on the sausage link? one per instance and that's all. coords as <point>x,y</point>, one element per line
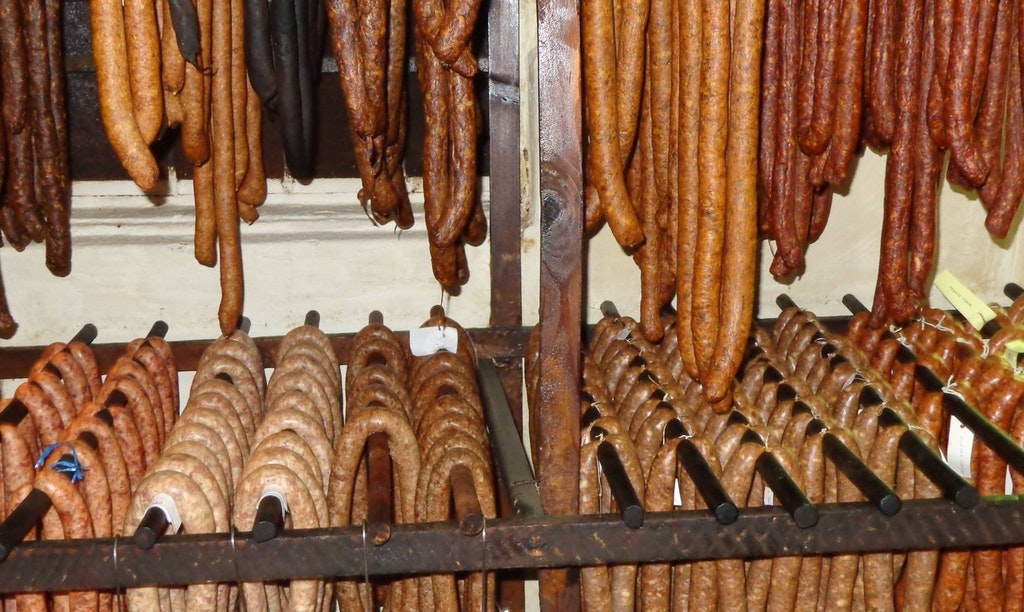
<point>786,570</point>
<point>14,66</point>
<point>347,456</point>
<point>18,457</point>
<point>655,578</point>
<point>811,464</point>
<point>688,205</point>
<point>993,105</point>
<point>849,95</point>
<point>73,513</point>
<point>602,125</point>
<point>197,517</point>
<point>596,587</point>
<point>109,50</point>
<point>922,241</point>
<point>302,593</point>
<point>881,100</point>
<point>808,21</point>
<point>172,62</point>
<point>815,137</point>
<point>253,190</point>
<point>1011,188</point>
<point>144,67</point>
<point>711,158</point>
<point>737,281</point>
<point>935,109</point>
<point>958,103</point>
<point>878,567</point>
<point>195,96</point>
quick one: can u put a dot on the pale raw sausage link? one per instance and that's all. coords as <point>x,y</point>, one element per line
<point>196,516</point>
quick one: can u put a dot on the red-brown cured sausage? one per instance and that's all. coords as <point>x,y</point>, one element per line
<point>404,455</point>
<point>142,412</point>
<point>958,93</point>
<point>73,512</point>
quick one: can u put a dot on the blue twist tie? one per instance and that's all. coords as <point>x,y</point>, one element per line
<point>64,465</point>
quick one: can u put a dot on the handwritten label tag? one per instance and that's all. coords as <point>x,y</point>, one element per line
<point>964,300</point>
<point>424,341</point>
<point>958,448</point>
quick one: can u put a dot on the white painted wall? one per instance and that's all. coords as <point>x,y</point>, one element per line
<point>313,248</point>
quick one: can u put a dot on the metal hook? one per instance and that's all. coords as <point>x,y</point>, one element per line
<point>366,573</point>
<point>483,569</point>
<point>118,600</point>
<point>234,559</point>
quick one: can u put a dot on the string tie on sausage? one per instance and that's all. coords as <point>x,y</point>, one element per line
<point>951,387</point>
<point>69,465</point>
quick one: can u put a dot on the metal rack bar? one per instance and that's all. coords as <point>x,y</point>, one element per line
<point>497,342</point>
<point>547,542</point>
<point>508,450</point>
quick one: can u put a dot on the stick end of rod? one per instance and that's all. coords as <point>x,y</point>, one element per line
<point>264,531</point>
<point>87,334</point>
<point>966,497</point>
<point>378,532</point>
<point>726,513</point>
<point>805,516</point>
<point>312,319</point>
<point>890,504</point>
<point>633,516</point>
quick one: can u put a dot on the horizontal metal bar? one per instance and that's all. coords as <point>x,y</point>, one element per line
<point>545,542</point>
<point>497,342</point>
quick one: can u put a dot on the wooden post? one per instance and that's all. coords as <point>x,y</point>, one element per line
<point>555,425</point>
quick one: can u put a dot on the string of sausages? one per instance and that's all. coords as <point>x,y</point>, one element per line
<point>934,85</point>
<point>671,120</point>
<point>799,383</point>
<point>376,403</point>
<point>369,41</point>
<point>447,414</point>
<point>291,456</point>
<point>163,64</point>
<point>241,440</point>
<point>107,427</point>
<point>35,194</point>
<point>428,408</point>
<point>980,371</point>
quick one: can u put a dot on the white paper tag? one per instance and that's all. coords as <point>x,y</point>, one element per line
<point>1008,486</point>
<point>166,504</point>
<point>424,341</point>
<point>677,495</point>
<point>958,449</point>
<point>769,497</point>
<point>274,491</point>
